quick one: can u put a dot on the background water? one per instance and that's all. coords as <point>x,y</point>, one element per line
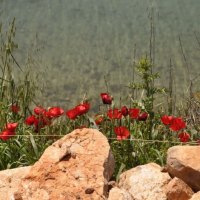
<point>78,42</point>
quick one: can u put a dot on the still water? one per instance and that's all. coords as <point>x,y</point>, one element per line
<point>77,43</point>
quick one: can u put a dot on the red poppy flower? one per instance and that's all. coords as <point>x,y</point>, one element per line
<point>122,132</point>
<point>114,114</point>
<point>124,111</point>
<point>78,110</point>
<point>15,108</point>
<point>99,119</point>
<point>11,126</point>
<point>143,116</point>
<point>106,98</point>
<point>72,113</point>
<point>177,124</point>
<point>6,134</point>
<point>41,122</point>
<point>48,115</point>
<point>167,120</point>
<point>184,137</point>
<point>54,112</point>
<point>134,113</point>
<point>82,108</point>
<point>31,120</point>
<point>39,110</point>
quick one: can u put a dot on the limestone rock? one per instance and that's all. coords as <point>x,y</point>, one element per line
<point>177,189</point>
<point>184,162</point>
<point>9,181</point>
<point>78,166</point>
<point>119,194</point>
<point>196,196</point>
<point>145,182</point>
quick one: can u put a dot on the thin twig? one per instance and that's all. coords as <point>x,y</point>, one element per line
<point>16,61</point>
<point>133,74</point>
<point>170,109</point>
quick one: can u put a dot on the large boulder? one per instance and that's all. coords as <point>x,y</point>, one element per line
<point>9,181</point>
<point>178,190</point>
<point>184,162</point>
<point>145,182</point>
<point>78,166</point>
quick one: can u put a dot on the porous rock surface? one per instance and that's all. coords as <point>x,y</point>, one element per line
<point>184,162</point>
<point>78,166</point>
<point>119,194</point>
<point>145,182</point>
<point>178,190</point>
<point>10,179</point>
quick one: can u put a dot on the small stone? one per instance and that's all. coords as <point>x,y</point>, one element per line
<point>177,189</point>
<point>73,155</point>
<point>89,190</point>
<point>78,197</point>
<point>164,169</point>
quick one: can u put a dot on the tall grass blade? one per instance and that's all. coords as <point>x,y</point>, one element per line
<point>34,145</point>
<point>122,167</point>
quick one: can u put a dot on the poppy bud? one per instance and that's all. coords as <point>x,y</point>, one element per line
<point>106,98</point>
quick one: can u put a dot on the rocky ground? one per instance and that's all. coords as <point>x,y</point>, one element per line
<point>80,165</point>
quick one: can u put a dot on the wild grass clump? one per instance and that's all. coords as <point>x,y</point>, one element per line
<point>137,132</point>
<point>16,99</point>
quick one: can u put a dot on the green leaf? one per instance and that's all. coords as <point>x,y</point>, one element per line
<point>92,123</point>
<point>161,159</point>
<point>120,171</point>
<point>34,145</point>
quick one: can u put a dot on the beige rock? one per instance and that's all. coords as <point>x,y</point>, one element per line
<point>145,182</point>
<point>78,166</point>
<point>184,162</point>
<point>9,181</point>
<point>119,194</point>
<point>178,190</point>
<point>196,196</point>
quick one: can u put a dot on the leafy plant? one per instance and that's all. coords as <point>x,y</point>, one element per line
<point>137,133</point>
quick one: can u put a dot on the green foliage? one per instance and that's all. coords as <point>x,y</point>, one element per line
<point>14,91</point>
<point>20,150</point>
<point>148,141</point>
<point>145,71</point>
<point>148,78</point>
